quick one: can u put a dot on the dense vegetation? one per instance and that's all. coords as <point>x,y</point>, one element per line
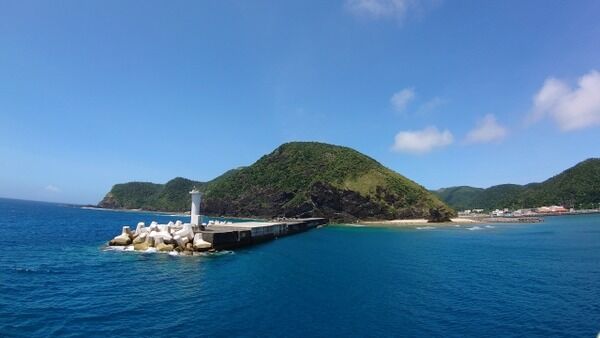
<point>577,187</point>
<point>172,196</point>
<point>302,179</point>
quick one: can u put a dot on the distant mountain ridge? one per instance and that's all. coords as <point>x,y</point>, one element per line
<point>298,179</point>
<point>578,186</point>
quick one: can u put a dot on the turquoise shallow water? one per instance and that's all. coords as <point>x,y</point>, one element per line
<point>510,280</point>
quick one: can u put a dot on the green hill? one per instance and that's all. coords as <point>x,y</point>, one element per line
<point>302,179</point>
<point>459,197</point>
<point>172,196</point>
<point>577,187</point>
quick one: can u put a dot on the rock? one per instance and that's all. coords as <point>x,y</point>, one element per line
<point>181,240</point>
<point>200,244</point>
<point>127,230</point>
<point>174,227</point>
<point>161,246</point>
<point>124,238</point>
<point>139,229</point>
<point>153,227</point>
<point>140,246</point>
<point>186,231</point>
<point>141,238</point>
<point>164,235</point>
<point>120,240</point>
<point>150,241</point>
<point>441,214</point>
<point>164,247</point>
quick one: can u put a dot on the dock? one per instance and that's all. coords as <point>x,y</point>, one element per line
<point>235,235</point>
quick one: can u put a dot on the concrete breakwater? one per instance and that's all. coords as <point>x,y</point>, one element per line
<point>187,238</point>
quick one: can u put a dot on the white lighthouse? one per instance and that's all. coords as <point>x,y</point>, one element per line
<point>195,212</point>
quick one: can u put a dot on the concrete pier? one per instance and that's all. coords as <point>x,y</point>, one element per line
<point>227,236</point>
<point>189,237</point>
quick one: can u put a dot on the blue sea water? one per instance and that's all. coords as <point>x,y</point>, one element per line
<point>509,280</point>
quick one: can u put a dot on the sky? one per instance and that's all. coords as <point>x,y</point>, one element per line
<point>447,93</point>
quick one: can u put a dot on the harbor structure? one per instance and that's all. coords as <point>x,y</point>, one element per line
<point>187,238</point>
<point>195,218</point>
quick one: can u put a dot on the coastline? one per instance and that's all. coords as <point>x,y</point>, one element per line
<point>166,213</point>
<point>395,223</point>
<point>413,223</point>
<point>454,222</point>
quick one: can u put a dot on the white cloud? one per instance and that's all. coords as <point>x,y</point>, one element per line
<point>571,108</point>
<point>421,141</point>
<point>52,188</point>
<point>402,98</point>
<point>398,9</point>
<point>487,130</point>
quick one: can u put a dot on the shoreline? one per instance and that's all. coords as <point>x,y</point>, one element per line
<point>413,223</point>
<point>454,222</point>
<point>396,223</point>
<point>166,213</point>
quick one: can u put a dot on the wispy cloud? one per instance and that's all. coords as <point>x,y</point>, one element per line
<point>487,130</point>
<point>571,108</point>
<point>383,9</point>
<point>421,141</point>
<point>430,105</point>
<point>402,98</point>
<point>52,188</point>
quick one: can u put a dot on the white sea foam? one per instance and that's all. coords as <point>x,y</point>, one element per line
<point>114,248</point>
<point>425,228</point>
<point>130,248</point>
<point>474,228</point>
<point>490,226</point>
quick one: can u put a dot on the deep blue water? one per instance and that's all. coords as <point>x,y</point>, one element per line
<point>510,280</point>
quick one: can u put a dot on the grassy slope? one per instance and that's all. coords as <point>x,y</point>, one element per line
<point>578,187</point>
<point>286,181</point>
<point>172,196</point>
<point>297,179</point>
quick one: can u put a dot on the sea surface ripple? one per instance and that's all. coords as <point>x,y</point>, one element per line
<point>532,280</point>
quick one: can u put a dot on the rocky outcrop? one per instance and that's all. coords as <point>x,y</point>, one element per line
<point>109,202</point>
<point>125,238</point>
<point>328,201</point>
<point>199,243</point>
<point>439,215</point>
<point>169,237</point>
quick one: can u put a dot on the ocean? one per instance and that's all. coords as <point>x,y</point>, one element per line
<point>534,280</point>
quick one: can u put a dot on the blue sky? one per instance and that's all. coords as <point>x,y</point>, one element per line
<point>447,93</point>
